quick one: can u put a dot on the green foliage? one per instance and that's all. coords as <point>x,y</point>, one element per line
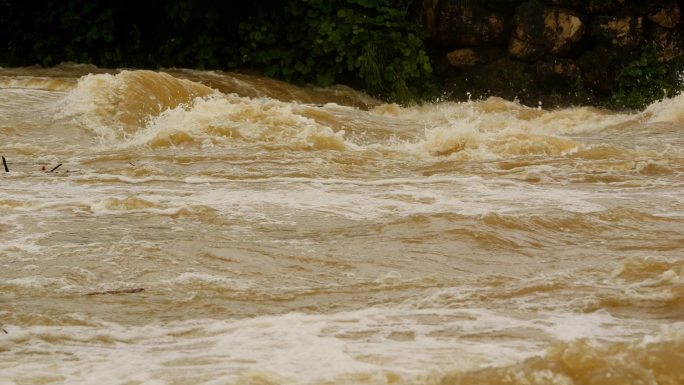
<point>645,80</point>
<point>370,43</point>
<point>145,34</point>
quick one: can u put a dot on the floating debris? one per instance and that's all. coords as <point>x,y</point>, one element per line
<point>122,291</point>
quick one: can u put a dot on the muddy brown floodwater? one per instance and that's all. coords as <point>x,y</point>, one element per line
<point>218,228</point>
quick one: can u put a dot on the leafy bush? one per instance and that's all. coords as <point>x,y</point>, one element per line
<point>645,80</point>
<point>373,43</point>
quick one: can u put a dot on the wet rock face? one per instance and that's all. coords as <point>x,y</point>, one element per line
<point>465,58</point>
<point>624,31</point>
<point>561,68</point>
<point>664,13</point>
<point>600,67</point>
<point>559,75</point>
<point>563,30</point>
<point>549,47</point>
<point>458,22</point>
<point>542,31</point>
<point>504,77</point>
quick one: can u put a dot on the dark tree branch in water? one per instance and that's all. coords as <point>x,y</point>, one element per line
<point>56,167</point>
<point>4,163</point>
<point>122,291</point>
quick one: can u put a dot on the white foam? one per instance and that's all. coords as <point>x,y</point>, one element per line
<point>204,278</point>
<point>377,198</point>
<point>666,110</point>
<point>494,128</point>
<point>297,348</point>
<point>225,118</point>
<point>487,129</point>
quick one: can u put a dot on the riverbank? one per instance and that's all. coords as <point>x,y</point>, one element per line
<point>615,53</point>
<point>620,54</point>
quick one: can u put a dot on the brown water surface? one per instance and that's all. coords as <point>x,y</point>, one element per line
<point>219,228</point>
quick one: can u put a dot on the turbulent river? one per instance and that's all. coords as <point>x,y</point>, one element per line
<point>217,228</point>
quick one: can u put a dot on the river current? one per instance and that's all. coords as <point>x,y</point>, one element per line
<point>220,228</point>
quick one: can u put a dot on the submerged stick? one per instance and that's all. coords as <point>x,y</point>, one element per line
<point>122,291</point>
<point>3,329</point>
<point>56,167</point>
<point>4,163</point>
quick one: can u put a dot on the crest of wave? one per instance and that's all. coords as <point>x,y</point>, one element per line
<point>159,110</point>
<point>494,127</point>
<point>666,110</point>
<point>116,106</point>
<point>222,119</point>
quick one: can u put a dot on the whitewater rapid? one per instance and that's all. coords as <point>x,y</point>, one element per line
<point>220,228</point>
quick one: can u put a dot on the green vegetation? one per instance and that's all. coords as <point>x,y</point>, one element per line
<point>143,34</point>
<point>376,45</point>
<point>373,45</point>
<point>645,80</point>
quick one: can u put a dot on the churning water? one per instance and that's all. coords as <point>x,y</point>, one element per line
<point>215,228</point>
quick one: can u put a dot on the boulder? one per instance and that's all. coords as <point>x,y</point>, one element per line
<point>541,31</point>
<point>563,30</point>
<point>455,22</point>
<point>469,57</point>
<point>664,13</point>
<point>463,58</point>
<point>627,31</point>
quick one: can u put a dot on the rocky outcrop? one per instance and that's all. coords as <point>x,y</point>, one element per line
<point>624,31</point>
<point>542,31</point>
<point>549,47</point>
<point>665,13</point>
